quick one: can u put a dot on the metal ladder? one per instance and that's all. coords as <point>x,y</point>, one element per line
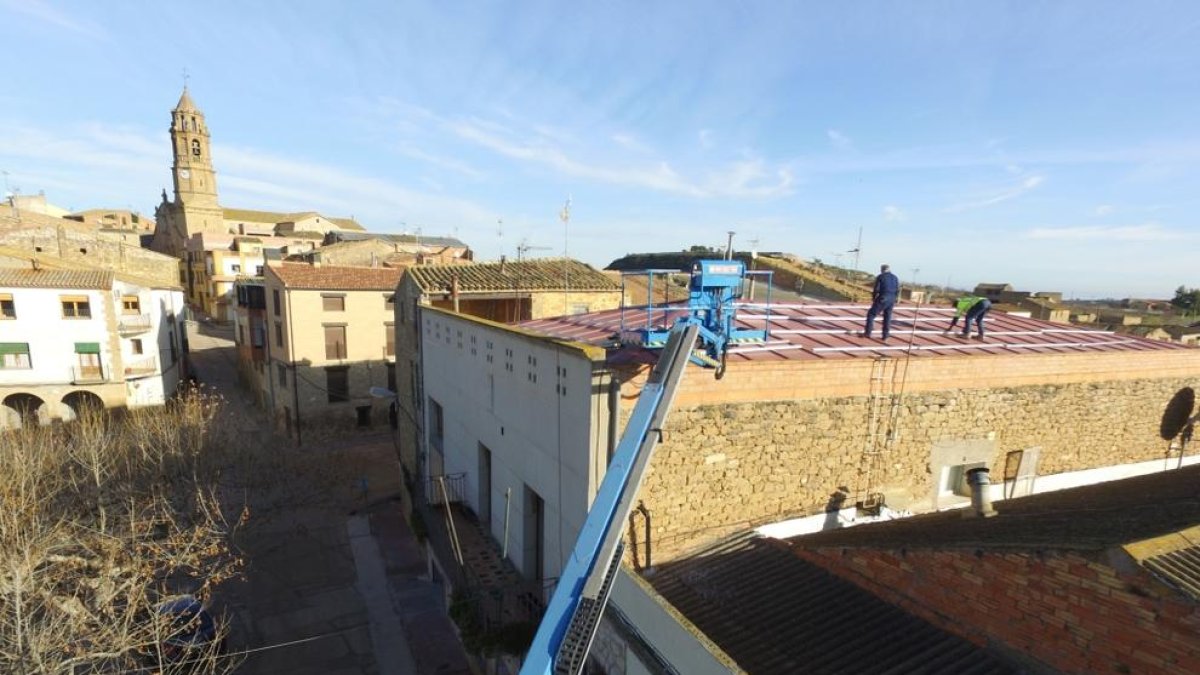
<point>879,427</point>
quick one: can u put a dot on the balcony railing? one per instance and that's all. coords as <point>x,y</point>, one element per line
<point>455,489</point>
<point>141,367</point>
<point>88,374</point>
<point>133,323</point>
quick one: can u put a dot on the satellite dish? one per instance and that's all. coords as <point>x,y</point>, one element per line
<point>1178,413</point>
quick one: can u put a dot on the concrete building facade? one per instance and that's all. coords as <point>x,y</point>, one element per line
<point>73,338</point>
<point>330,338</point>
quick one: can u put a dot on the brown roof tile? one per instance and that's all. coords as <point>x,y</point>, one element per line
<point>337,278</point>
<point>55,278</point>
<point>550,274</point>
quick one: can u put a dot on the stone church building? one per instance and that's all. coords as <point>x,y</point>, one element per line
<point>196,209</point>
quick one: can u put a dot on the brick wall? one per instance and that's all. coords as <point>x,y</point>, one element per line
<point>727,463</point>
<point>1071,611</point>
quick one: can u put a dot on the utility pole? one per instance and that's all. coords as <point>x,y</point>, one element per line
<point>729,246</point>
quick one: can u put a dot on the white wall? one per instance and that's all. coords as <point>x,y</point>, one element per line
<point>531,405</point>
<point>165,310</point>
<point>51,337</point>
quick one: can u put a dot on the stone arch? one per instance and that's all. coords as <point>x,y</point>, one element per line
<point>30,409</point>
<point>78,402</point>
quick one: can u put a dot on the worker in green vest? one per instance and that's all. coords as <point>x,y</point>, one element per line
<point>975,308</point>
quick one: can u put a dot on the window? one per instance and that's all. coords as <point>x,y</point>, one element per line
<point>278,334</point>
<point>335,342</point>
<point>281,372</point>
<point>436,424</point>
<point>87,354</point>
<point>333,303</point>
<point>135,345</point>
<point>389,302</point>
<point>14,355</point>
<point>337,384</point>
<point>275,300</point>
<point>391,375</point>
<point>130,304</point>
<point>258,270</point>
<point>75,307</point>
<point>235,268</point>
<point>195,145</point>
<point>389,339</point>
<point>8,309</point>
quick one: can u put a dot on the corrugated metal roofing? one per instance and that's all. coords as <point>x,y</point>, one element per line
<point>775,613</point>
<point>549,274</point>
<point>817,330</point>
<point>55,278</point>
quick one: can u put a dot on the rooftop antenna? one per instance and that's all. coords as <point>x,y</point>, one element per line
<point>525,247</point>
<point>857,250</point>
<point>1178,422</point>
<point>565,216</point>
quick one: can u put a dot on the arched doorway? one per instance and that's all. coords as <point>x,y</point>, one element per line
<point>28,406</point>
<point>81,402</point>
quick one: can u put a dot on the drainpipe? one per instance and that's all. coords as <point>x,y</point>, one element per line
<point>981,502</point>
<point>641,508</point>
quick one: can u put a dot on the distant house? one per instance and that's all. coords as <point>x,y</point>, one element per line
<point>213,262</point>
<point>993,292</point>
<point>1150,332</point>
<point>1084,317</point>
<point>330,338</point>
<point>72,337</point>
<point>1187,335</point>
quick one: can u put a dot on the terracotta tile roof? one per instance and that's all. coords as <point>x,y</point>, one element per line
<point>548,274</point>
<point>336,278</point>
<point>1092,517</point>
<point>772,612</point>
<point>829,330</point>
<point>55,278</point>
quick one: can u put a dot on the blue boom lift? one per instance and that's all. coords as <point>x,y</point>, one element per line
<point>566,632</point>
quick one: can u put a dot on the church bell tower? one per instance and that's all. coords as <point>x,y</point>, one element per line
<point>193,174</point>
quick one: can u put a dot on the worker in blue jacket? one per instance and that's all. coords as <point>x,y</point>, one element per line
<point>975,308</point>
<point>883,299</point>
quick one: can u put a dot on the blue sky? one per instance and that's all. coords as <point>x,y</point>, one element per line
<point>1052,145</point>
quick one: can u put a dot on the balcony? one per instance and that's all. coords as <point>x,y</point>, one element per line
<point>143,367</point>
<point>88,375</point>
<point>132,324</point>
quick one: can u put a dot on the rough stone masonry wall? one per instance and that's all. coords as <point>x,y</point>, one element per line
<point>730,466</point>
<point>1068,610</point>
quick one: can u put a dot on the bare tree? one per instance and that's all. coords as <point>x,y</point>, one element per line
<point>103,519</point>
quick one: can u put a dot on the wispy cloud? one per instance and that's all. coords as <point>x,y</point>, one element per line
<point>1012,192</point>
<point>1124,233</point>
<point>630,142</point>
<point>894,213</point>
<point>56,18</point>
<point>838,139</point>
<point>706,138</point>
<point>1104,210</point>
<point>745,178</point>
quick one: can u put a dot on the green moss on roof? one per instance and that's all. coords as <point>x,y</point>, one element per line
<point>551,274</point>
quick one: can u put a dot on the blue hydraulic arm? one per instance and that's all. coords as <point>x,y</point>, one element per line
<point>569,625</point>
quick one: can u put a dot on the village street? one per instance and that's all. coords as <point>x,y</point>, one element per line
<point>334,582</point>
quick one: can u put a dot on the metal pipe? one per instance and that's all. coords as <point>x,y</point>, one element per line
<point>641,508</point>
<point>981,501</point>
<point>507,504</point>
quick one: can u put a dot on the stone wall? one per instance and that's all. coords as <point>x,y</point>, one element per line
<point>97,249</point>
<point>728,466</point>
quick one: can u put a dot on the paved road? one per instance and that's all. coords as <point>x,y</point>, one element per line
<point>335,581</point>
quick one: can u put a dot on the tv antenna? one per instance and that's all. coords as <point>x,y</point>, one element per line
<point>525,247</point>
<point>1178,422</point>
<point>857,250</point>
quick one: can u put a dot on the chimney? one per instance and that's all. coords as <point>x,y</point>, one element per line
<point>454,291</point>
<point>374,260</point>
<point>981,502</point>
<point>502,261</point>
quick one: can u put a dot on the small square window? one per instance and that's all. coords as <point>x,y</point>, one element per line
<point>8,308</point>
<point>135,346</point>
<point>333,303</point>
<point>130,304</point>
<point>76,307</point>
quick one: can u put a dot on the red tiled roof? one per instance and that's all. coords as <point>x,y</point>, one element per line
<point>337,278</point>
<point>55,278</point>
<point>547,274</point>
<point>818,330</point>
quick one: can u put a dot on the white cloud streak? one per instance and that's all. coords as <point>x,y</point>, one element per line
<point>56,18</point>
<point>1026,184</point>
<point>1104,210</point>
<point>893,213</point>
<point>838,139</point>
<point>1145,232</point>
